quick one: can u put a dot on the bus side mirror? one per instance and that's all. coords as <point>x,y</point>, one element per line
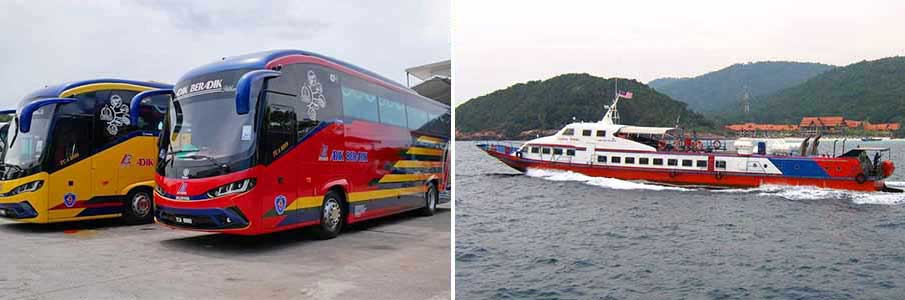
<point>243,88</point>
<point>29,110</point>
<point>136,101</point>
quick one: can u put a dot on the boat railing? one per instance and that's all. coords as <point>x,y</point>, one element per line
<point>692,145</point>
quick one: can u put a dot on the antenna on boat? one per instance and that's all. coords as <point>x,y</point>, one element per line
<point>612,114</point>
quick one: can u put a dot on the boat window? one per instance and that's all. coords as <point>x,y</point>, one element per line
<point>570,152</point>
<point>557,151</point>
<point>615,159</point>
<point>630,160</point>
<point>601,159</point>
<point>686,163</point>
<point>672,162</point>
<point>643,161</point>
<point>658,161</point>
<point>601,133</point>
<point>701,164</point>
<point>721,164</point>
<point>535,149</point>
<point>569,132</point>
<point>545,150</point>
<point>586,132</point>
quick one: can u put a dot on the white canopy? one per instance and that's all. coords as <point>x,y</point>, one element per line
<point>644,130</point>
<point>425,72</point>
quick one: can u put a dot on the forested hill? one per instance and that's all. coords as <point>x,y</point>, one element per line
<point>552,103</point>
<point>721,90</point>
<point>868,90</point>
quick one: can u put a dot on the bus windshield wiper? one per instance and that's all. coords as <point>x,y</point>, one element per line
<point>6,165</point>
<point>222,166</point>
<point>182,151</point>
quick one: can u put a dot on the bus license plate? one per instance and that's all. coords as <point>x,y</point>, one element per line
<point>183,220</point>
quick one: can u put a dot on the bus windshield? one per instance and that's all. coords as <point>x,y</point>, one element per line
<point>203,134</point>
<point>26,150</point>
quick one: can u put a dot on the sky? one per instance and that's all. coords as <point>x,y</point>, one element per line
<point>500,43</point>
<point>51,42</point>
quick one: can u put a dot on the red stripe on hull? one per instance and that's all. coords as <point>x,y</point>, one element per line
<point>700,178</point>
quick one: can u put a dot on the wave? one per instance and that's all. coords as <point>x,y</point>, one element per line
<point>606,182</point>
<point>787,192</point>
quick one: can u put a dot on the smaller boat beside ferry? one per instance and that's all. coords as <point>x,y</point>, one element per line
<point>667,155</point>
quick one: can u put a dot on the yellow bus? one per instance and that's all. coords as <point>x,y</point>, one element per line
<point>74,153</point>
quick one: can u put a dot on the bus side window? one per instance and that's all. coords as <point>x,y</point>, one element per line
<point>392,111</point>
<point>279,130</point>
<point>71,140</point>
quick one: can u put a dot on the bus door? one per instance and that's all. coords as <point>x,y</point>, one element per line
<point>70,158</point>
<point>279,135</point>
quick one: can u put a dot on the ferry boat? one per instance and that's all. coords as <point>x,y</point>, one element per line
<point>666,155</point>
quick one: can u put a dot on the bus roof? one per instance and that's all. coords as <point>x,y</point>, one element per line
<point>259,60</point>
<point>53,91</point>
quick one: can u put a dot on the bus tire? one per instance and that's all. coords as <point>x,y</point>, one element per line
<point>431,197</point>
<point>138,207</point>
<point>332,216</point>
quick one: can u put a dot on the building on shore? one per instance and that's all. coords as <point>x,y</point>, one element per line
<point>814,126</point>
<point>822,125</point>
<point>762,130</point>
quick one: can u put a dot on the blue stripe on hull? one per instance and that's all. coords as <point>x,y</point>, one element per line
<point>799,167</point>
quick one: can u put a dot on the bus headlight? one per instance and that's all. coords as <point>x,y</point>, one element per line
<point>25,188</point>
<point>240,186</point>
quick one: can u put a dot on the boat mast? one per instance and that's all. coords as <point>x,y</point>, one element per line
<point>612,114</point>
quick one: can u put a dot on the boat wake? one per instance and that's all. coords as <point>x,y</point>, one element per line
<point>804,193</point>
<point>787,192</point>
<point>612,183</point>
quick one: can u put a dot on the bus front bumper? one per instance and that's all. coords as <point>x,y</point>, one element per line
<point>20,210</point>
<point>202,218</point>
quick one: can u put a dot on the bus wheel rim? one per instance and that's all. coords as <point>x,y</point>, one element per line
<point>141,204</point>
<point>332,213</point>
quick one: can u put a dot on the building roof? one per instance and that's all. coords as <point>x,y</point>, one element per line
<point>852,123</point>
<point>437,88</point>
<point>426,72</point>
<point>882,127</point>
<point>761,127</point>
<point>832,121</point>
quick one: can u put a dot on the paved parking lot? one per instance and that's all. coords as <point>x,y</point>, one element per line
<point>399,257</point>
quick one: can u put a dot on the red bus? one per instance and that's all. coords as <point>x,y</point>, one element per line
<point>284,139</point>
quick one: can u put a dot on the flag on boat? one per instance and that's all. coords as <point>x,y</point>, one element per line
<point>626,95</point>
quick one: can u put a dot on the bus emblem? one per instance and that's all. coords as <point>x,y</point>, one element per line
<point>126,161</point>
<point>69,199</point>
<point>182,188</point>
<point>280,204</point>
<point>185,173</point>
<point>323,155</point>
